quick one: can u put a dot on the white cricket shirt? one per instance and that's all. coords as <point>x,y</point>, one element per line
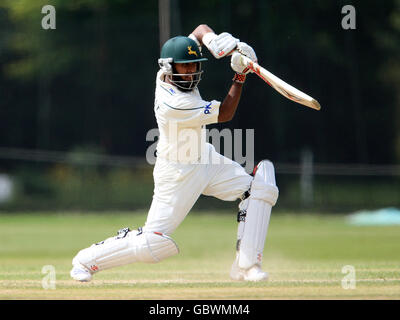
<point>181,118</point>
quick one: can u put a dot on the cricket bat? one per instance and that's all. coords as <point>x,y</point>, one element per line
<point>281,86</point>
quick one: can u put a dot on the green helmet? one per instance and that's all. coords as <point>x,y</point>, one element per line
<point>181,50</point>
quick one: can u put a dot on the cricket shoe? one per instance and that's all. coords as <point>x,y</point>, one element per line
<point>254,273</point>
<point>80,273</point>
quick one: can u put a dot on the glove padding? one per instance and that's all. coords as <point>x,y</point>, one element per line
<point>247,51</point>
<point>236,62</point>
<point>220,45</point>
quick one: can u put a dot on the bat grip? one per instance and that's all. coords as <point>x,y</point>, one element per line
<point>230,53</point>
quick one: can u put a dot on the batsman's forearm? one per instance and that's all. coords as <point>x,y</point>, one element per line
<point>200,31</point>
<point>229,105</point>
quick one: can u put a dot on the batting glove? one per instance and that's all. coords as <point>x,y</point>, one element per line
<point>220,45</point>
<point>236,64</point>
<point>247,51</point>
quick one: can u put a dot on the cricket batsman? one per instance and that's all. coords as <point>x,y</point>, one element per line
<point>187,166</point>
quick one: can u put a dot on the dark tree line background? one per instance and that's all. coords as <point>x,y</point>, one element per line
<point>90,83</point>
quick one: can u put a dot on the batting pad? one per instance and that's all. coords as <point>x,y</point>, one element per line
<point>135,246</point>
<point>255,212</point>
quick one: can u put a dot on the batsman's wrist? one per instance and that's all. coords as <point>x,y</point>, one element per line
<point>239,77</point>
<point>194,38</point>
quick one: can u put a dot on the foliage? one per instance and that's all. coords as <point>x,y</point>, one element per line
<point>79,185</point>
<point>91,81</point>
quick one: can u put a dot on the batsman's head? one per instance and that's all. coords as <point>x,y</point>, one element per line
<point>181,62</point>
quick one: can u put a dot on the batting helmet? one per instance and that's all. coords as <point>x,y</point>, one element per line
<point>181,50</point>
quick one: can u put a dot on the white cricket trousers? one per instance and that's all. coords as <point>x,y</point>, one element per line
<point>177,187</point>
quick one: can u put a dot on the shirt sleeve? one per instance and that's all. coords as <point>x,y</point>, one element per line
<point>190,112</point>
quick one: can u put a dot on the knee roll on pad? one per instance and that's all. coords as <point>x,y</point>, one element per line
<point>160,246</point>
<point>265,192</point>
<point>263,186</point>
<point>150,247</point>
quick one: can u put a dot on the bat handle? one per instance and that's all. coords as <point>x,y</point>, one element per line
<point>230,53</point>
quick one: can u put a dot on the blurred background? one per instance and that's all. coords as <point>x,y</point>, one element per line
<point>76,103</point>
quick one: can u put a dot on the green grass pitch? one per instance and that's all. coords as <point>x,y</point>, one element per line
<point>304,255</point>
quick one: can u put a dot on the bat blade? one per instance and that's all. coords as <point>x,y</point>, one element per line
<point>281,86</point>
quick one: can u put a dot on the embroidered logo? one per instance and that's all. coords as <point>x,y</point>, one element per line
<point>190,51</point>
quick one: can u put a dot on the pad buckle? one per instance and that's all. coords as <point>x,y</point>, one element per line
<point>241,215</point>
<point>238,245</point>
<point>122,233</point>
<point>245,195</point>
